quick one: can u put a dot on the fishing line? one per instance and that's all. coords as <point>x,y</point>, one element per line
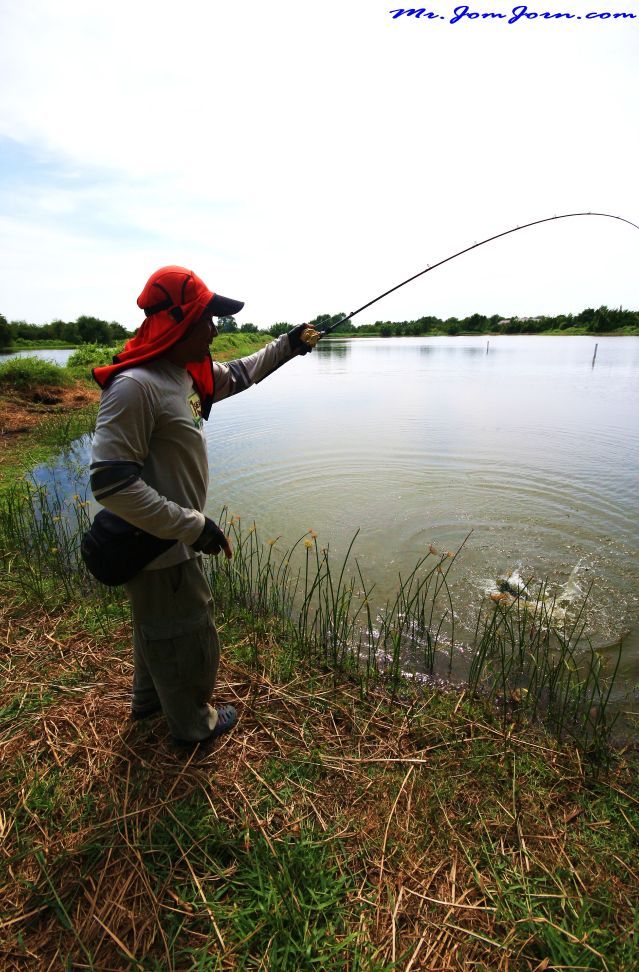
<point>515,229</point>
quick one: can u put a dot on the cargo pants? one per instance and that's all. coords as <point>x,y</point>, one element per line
<point>176,650</point>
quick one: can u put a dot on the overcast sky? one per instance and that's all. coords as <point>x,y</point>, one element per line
<point>305,157</point>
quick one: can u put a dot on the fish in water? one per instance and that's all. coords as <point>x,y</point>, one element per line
<point>545,611</point>
<point>513,585</point>
<point>513,590</point>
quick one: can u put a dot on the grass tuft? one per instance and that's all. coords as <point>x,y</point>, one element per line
<point>26,374</point>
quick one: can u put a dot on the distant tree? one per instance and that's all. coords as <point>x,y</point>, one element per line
<point>429,323</point>
<point>281,328</point>
<point>24,330</point>
<point>535,326</point>
<point>5,332</point>
<point>515,326</point>
<point>248,328</point>
<point>603,321</point>
<point>386,329</point>
<point>226,325</point>
<point>416,328</point>
<point>56,329</point>
<point>92,330</point>
<point>70,333</point>
<point>476,323</point>
<point>586,317</point>
<point>117,332</point>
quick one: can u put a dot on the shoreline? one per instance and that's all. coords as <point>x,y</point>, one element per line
<point>39,346</point>
<point>573,332</point>
<point>263,337</point>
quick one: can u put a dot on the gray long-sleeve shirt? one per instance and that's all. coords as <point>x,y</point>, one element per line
<point>148,461</point>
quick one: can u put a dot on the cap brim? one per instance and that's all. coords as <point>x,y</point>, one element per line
<point>224,306</point>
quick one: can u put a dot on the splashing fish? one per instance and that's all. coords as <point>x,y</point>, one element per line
<point>514,590</point>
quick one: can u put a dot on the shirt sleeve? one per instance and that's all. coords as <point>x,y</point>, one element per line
<point>238,375</point>
<point>124,426</point>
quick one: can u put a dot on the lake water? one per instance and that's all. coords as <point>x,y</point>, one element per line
<point>423,440</point>
<point>528,446</point>
<point>58,355</point>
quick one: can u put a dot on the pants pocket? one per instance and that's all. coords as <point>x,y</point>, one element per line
<point>182,653</point>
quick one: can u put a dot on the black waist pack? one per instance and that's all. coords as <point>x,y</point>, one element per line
<point>114,551</point>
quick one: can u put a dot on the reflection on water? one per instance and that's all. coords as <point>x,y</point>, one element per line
<point>470,350</point>
<point>333,347</point>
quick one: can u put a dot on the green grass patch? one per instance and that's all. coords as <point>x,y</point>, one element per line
<point>24,704</point>
<point>89,356</point>
<point>285,901</point>
<point>27,374</point>
<point>268,852</point>
<point>225,347</point>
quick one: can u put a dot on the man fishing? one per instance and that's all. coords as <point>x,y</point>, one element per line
<point>149,467</point>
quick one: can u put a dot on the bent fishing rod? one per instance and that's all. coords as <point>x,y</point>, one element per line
<point>311,336</point>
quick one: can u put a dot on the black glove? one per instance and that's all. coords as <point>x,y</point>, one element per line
<point>298,346</point>
<point>212,540</point>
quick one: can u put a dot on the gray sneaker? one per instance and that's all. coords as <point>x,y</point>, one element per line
<point>226,719</point>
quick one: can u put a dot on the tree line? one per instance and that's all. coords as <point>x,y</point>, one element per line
<point>594,321</point>
<point>600,321</point>
<point>92,330</point>
<point>84,330</point>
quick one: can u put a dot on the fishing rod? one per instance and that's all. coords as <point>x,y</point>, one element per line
<point>311,340</point>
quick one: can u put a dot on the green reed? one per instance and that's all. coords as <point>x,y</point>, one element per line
<point>40,535</point>
<point>326,607</point>
<point>532,667</point>
<point>529,664</point>
<point>538,668</point>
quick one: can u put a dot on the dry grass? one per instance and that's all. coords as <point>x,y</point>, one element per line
<point>429,813</point>
<point>23,411</point>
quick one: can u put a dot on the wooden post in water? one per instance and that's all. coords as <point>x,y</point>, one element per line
<point>487,346</point>
<point>594,355</point>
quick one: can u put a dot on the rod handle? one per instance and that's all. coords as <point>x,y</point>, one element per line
<point>310,336</point>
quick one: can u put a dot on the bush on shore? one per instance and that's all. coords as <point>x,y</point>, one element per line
<point>24,374</point>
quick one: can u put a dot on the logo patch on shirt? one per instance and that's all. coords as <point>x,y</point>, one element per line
<point>196,409</point>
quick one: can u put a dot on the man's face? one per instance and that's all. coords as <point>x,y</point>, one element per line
<point>194,346</point>
<point>201,334</point>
